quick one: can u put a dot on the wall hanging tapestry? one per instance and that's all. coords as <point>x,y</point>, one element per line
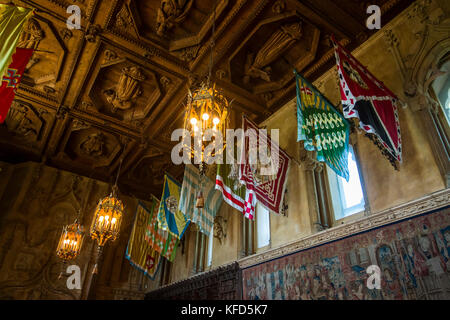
<point>268,189</point>
<point>412,255</point>
<point>170,218</point>
<point>322,127</point>
<point>202,217</point>
<point>139,252</point>
<point>367,99</point>
<point>162,241</point>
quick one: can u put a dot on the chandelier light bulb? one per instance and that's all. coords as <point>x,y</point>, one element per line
<point>205,116</point>
<point>193,121</point>
<point>216,121</point>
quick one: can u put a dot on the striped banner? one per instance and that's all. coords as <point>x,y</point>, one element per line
<point>204,218</point>
<point>233,192</point>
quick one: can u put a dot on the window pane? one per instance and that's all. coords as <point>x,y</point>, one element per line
<point>351,192</point>
<point>210,247</point>
<point>262,226</point>
<point>441,87</point>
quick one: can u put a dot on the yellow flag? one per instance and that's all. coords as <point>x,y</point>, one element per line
<point>139,252</point>
<point>12,20</point>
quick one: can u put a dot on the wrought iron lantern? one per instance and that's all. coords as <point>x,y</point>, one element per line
<point>207,110</point>
<point>107,221</point>
<point>70,242</point>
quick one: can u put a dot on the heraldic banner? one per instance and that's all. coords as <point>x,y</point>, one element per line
<point>367,99</point>
<point>268,188</point>
<point>12,79</point>
<point>162,241</point>
<point>202,217</point>
<point>139,252</point>
<point>170,218</point>
<point>12,20</point>
<point>322,127</point>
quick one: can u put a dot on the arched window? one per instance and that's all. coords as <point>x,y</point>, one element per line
<point>441,88</point>
<point>347,197</point>
<point>262,227</point>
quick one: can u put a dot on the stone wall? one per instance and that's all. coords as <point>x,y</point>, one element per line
<point>35,203</point>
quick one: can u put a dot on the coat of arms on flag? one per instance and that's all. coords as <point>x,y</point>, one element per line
<point>265,182</point>
<point>204,217</point>
<point>170,218</point>
<point>322,128</point>
<point>367,99</point>
<point>162,241</point>
<point>139,252</point>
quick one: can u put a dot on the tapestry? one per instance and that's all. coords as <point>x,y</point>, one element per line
<point>367,99</point>
<point>322,127</point>
<point>12,79</point>
<point>139,252</point>
<point>413,257</point>
<point>169,217</point>
<point>267,189</point>
<point>161,241</point>
<point>204,217</point>
<point>12,20</point>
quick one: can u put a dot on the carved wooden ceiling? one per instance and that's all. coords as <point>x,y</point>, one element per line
<point>116,88</point>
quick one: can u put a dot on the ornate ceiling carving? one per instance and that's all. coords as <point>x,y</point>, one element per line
<point>116,88</point>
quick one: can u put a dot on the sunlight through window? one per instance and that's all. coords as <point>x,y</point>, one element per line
<point>347,197</point>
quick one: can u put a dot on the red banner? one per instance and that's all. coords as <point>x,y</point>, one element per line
<point>12,79</point>
<point>366,98</point>
<point>268,189</point>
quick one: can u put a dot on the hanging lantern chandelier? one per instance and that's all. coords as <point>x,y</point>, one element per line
<point>70,242</point>
<point>107,220</point>
<point>207,110</point>
<point>207,117</point>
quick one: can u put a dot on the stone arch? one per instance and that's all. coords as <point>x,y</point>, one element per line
<point>427,106</point>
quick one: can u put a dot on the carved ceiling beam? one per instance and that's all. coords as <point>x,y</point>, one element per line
<point>244,12</point>
<point>162,117</point>
<point>148,53</point>
<point>319,19</point>
<point>331,10</point>
<point>252,103</point>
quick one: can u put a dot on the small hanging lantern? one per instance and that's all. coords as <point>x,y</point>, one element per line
<point>70,242</point>
<point>107,219</point>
